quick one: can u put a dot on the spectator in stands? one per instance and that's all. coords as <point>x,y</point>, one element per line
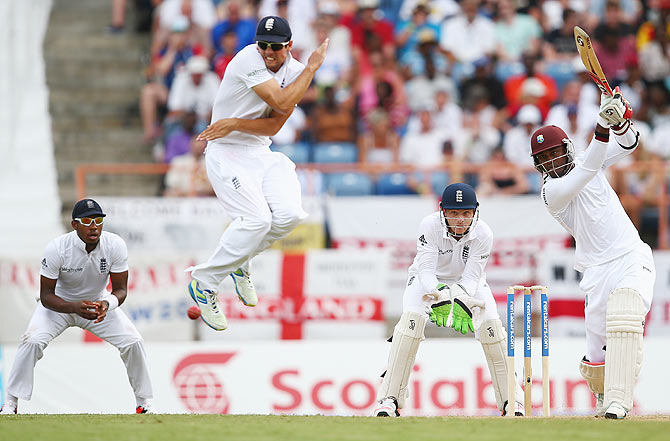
<point>655,55</point>
<point>187,175</point>
<point>438,10</point>
<point>161,72</point>
<point>615,45</point>
<point>515,33</point>
<point>380,143</point>
<point>469,35</point>
<point>333,120</point>
<point>382,88</point>
<point>292,130</point>
<point>479,136</point>
<point>194,88</point>
<point>500,176</point>
<point>532,87</point>
<point>244,29</point>
<point>517,139</point>
<point>567,114</point>
<point>368,32</point>
<point>201,16</point>
<point>559,44</point>
<point>627,11</point>
<point>424,59</point>
<point>408,32</point>
<point>118,17</point>
<point>424,148</point>
<point>484,78</point>
<point>447,114</point>
<point>178,141</point>
<point>228,46</point>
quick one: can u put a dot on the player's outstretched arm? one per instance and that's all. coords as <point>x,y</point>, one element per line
<point>259,127</point>
<point>51,301</point>
<point>284,100</point>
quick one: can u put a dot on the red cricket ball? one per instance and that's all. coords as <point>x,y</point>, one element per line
<point>194,313</point>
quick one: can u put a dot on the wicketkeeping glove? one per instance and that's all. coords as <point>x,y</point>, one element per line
<point>439,312</point>
<point>614,110</point>
<point>462,309</point>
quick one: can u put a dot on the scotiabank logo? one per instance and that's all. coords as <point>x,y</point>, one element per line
<point>199,388</point>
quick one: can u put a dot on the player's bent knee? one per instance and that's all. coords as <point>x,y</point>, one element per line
<point>36,339</point>
<point>491,332</point>
<point>625,311</point>
<point>288,219</point>
<point>412,324</point>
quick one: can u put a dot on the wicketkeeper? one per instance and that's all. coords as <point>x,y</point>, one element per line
<point>618,267</point>
<point>446,284</point>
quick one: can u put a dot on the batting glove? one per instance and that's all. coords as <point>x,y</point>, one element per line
<point>614,110</point>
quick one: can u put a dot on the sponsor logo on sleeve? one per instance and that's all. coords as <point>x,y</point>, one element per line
<point>253,73</point>
<point>484,256</point>
<point>423,241</point>
<point>44,263</point>
<point>544,196</point>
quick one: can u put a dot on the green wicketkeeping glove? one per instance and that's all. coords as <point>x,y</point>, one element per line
<point>439,312</point>
<point>463,305</point>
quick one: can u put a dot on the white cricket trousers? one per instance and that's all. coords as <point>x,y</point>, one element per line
<point>634,270</point>
<point>45,325</point>
<point>260,191</point>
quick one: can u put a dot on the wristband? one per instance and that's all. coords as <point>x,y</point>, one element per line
<point>112,301</point>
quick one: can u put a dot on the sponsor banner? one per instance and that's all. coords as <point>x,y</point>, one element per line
<point>191,224</point>
<point>328,378</point>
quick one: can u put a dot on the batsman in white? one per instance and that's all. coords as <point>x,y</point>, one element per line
<point>75,270</point>
<point>258,188</point>
<point>618,269</point>
<point>446,283</point>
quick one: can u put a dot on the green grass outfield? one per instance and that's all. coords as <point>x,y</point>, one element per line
<point>313,428</point>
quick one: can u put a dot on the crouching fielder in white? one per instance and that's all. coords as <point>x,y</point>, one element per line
<point>618,267</point>
<point>258,188</point>
<point>75,270</point>
<point>447,283</point>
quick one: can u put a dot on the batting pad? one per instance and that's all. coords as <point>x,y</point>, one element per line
<point>594,374</point>
<point>407,335</point>
<point>493,339</point>
<point>623,356</point>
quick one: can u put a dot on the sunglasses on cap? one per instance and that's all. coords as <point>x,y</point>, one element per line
<point>274,46</point>
<point>87,221</point>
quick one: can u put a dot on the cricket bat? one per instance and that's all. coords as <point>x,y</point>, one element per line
<point>591,63</point>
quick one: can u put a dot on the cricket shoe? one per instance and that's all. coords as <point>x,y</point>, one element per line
<point>244,287</point>
<point>208,302</point>
<point>615,411</point>
<point>8,409</point>
<point>600,411</point>
<point>518,409</point>
<point>388,407</point>
<point>147,408</point>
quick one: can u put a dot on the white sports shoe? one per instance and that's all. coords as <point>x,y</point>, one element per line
<point>9,409</point>
<point>600,412</point>
<point>518,409</point>
<point>147,408</point>
<point>388,407</point>
<point>208,302</point>
<point>615,411</point>
<point>244,287</point>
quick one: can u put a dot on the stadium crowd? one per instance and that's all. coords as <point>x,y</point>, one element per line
<point>455,87</point>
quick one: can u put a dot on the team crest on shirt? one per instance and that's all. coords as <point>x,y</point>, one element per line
<point>103,265</point>
<point>466,253</point>
<point>540,139</point>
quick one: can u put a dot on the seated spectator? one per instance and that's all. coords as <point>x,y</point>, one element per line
<point>408,32</point>
<point>438,10</point>
<point>200,14</point>
<point>380,143</point>
<point>178,142</point>
<point>292,130</point>
<point>484,78</point>
<point>332,120</point>
<point>532,87</point>
<point>567,114</point>
<point>194,88</point>
<point>517,139</point>
<point>244,29</point>
<point>615,52</point>
<point>627,12</point>
<point>161,73</point>
<point>187,175</point>
<point>228,45</point>
<point>499,176</point>
<point>425,58</point>
<point>365,24</point>
<point>423,90</point>
<point>515,33</point>
<point>655,55</point>
<point>559,44</point>
<point>469,35</point>
<point>447,114</point>
<point>424,148</point>
<point>383,88</point>
<point>479,136</point>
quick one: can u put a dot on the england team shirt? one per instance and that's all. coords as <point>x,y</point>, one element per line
<point>237,99</point>
<point>594,215</point>
<point>82,275</point>
<point>441,258</point>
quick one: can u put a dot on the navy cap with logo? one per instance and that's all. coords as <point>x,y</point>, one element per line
<point>273,30</point>
<point>87,208</point>
<point>459,196</point>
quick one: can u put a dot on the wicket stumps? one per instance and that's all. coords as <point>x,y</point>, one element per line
<point>527,369</point>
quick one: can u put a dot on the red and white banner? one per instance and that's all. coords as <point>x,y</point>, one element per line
<point>329,378</point>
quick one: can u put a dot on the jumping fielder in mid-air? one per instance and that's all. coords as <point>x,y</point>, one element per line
<point>258,188</point>
<point>617,266</point>
<point>447,283</point>
<point>75,270</point>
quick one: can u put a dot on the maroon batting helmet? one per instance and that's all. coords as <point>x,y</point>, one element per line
<point>546,138</point>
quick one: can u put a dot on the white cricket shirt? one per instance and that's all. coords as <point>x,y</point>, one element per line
<point>440,257</point>
<point>236,98</point>
<point>82,275</point>
<point>585,204</point>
